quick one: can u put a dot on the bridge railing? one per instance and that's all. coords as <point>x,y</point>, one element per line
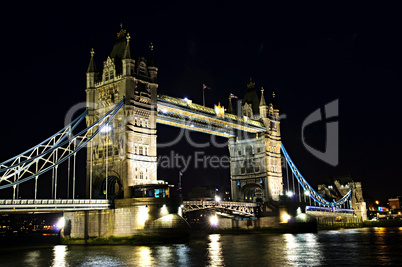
<point>328,210</point>
<point>52,201</point>
<point>220,203</point>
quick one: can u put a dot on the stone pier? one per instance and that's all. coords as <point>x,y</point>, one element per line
<point>132,220</point>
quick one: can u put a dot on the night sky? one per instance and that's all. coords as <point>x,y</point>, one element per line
<point>309,55</point>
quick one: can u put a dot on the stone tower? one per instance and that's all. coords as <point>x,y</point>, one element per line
<point>256,173</point>
<point>124,152</point>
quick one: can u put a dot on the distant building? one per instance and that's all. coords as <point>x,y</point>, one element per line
<point>336,188</point>
<point>395,203</point>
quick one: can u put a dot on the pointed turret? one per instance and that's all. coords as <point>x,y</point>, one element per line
<point>119,50</point>
<point>152,69</point>
<point>92,66</point>
<point>274,105</point>
<point>127,61</point>
<point>91,71</point>
<point>230,108</point>
<point>262,100</point>
<point>250,102</point>
<point>263,105</point>
<point>151,59</point>
<point>127,52</point>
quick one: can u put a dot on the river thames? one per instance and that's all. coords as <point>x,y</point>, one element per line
<point>357,247</point>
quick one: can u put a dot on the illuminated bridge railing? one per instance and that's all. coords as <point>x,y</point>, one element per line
<point>52,205</point>
<point>228,207</point>
<point>327,211</point>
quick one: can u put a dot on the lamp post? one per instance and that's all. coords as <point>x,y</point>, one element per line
<point>179,184</point>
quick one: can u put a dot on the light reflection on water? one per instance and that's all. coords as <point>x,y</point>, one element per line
<point>215,251</point>
<point>358,247</point>
<point>59,253</point>
<point>303,249</point>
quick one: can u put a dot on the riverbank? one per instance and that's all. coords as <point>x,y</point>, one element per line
<point>383,223</point>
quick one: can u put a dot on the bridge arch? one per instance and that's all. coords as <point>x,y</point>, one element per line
<point>252,193</point>
<point>114,187</point>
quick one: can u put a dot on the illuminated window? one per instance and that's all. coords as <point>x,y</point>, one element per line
<point>141,175</point>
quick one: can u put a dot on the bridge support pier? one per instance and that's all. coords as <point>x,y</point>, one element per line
<point>131,220</point>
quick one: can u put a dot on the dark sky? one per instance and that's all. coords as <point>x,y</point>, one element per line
<point>309,55</point>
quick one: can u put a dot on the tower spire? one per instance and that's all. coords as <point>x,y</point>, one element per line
<point>127,52</point>
<point>230,108</point>
<point>262,101</point>
<point>151,59</point>
<point>92,66</point>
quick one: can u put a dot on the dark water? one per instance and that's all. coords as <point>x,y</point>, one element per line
<point>356,247</point>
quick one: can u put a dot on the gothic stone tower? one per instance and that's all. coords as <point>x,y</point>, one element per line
<point>125,151</point>
<point>256,173</point>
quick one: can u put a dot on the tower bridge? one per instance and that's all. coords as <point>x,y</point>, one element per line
<point>123,108</point>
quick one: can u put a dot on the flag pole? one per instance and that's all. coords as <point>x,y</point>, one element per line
<point>203,95</point>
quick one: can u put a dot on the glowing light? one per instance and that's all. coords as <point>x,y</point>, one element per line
<point>307,193</point>
<point>60,223</point>
<point>217,198</point>
<point>142,215</point>
<point>192,125</point>
<point>106,129</point>
<point>285,217</point>
<point>164,210</point>
<point>289,193</point>
<point>180,211</point>
<point>164,111</point>
<point>377,202</point>
<point>213,220</point>
<point>298,211</point>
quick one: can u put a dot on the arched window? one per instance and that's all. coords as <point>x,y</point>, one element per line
<point>249,150</point>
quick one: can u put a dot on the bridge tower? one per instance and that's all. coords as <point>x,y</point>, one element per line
<point>256,173</point>
<point>124,153</point>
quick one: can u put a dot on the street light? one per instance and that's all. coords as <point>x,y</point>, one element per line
<point>289,193</point>
<point>213,220</point>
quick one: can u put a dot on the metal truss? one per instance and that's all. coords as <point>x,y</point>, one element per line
<point>306,186</point>
<point>49,154</point>
<point>183,114</point>
<point>224,207</point>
